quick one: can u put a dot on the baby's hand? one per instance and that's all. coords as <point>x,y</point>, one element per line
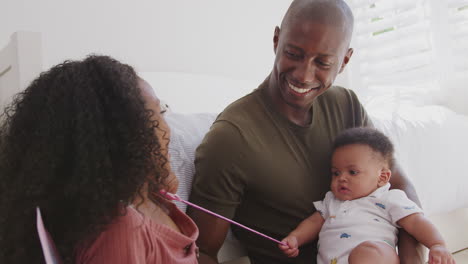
<point>291,250</point>
<point>440,254</point>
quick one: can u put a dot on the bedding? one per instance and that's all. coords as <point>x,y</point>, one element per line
<point>430,143</point>
<point>20,63</point>
<point>187,131</point>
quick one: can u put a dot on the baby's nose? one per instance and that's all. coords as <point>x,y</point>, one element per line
<point>343,178</point>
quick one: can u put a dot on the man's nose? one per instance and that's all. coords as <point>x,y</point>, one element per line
<point>305,72</point>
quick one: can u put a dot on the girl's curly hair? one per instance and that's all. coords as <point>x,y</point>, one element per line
<point>79,143</point>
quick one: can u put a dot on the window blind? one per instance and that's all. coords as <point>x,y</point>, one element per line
<point>458,20</point>
<point>416,44</point>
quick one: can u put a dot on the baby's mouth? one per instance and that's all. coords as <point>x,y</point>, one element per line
<point>343,189</point>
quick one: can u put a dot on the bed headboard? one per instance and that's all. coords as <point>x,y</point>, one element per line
<point>20,63</point>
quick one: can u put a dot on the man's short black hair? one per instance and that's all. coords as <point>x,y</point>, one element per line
<point>371,137</point>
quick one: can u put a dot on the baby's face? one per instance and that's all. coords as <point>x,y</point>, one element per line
<point>357,171</point>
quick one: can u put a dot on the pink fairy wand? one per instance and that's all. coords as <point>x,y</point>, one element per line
<point>175,197</point>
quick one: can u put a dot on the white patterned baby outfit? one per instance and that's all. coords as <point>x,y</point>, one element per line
<point>349,223</point>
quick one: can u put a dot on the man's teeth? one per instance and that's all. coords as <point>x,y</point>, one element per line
<point>299,90</point>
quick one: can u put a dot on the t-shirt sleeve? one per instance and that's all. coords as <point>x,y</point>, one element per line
<point>400,206</point>
<point>344,107</point>
<point>323,206</point>
<point>219,181</point>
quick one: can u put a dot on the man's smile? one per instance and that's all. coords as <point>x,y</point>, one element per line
<point>302,91</point>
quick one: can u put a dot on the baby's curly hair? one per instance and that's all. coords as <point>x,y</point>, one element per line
<point>80,144</point>
<point>371,137</point>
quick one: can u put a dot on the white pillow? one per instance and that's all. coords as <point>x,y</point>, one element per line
<point>187,132</point>
<point>430,143</point>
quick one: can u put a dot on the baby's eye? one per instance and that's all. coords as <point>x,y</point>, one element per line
<point>335,173</point>
<point>353,172</point>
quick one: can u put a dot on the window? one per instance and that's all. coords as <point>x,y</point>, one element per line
<point>458,25</point>
<point>415,45</point>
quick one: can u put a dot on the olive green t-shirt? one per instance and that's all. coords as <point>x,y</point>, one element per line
<point>260,169</point>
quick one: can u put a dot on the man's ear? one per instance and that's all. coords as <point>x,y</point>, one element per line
<point>276,38</point>
<point>346,59</point>
<point>384,177</point>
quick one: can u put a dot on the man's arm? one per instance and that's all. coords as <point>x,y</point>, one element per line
<point>410,250</point>
<point>213,231</point>
<point>217,185</point>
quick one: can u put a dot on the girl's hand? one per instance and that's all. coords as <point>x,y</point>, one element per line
<point>439,254</point>
<point>292,249</point>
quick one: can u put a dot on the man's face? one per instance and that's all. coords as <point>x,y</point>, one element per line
<point>357,171</point>
<point>309,56</point>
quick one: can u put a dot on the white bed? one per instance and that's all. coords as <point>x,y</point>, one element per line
<point>20,63</point>
<point>430,140</point>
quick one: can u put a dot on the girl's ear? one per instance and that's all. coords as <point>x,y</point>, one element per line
<point>384,177</point>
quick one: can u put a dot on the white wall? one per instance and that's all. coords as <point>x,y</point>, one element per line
<point>223,37</point>
<point>231,38</point>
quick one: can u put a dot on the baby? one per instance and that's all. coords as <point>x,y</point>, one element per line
<point>359,217</point>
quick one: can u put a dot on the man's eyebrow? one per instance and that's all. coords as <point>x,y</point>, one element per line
<point>293,46</point>
<point>288,45</point>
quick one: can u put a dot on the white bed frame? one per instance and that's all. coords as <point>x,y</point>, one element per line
<point>20,63</point>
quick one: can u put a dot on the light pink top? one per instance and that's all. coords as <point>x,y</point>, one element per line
<point>135,239</point>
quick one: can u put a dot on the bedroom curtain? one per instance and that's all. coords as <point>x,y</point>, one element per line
<point>409,48</point>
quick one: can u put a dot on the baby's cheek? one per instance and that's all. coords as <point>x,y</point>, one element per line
<point>333,185</point>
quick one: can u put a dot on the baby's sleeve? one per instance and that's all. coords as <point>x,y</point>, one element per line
<point>400,206</point>
<point>323,206</point>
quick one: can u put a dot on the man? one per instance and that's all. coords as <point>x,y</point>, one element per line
<point>265,160</point>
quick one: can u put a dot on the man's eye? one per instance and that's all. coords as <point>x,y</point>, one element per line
<point>292,54</point>
<point>324,64</point>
